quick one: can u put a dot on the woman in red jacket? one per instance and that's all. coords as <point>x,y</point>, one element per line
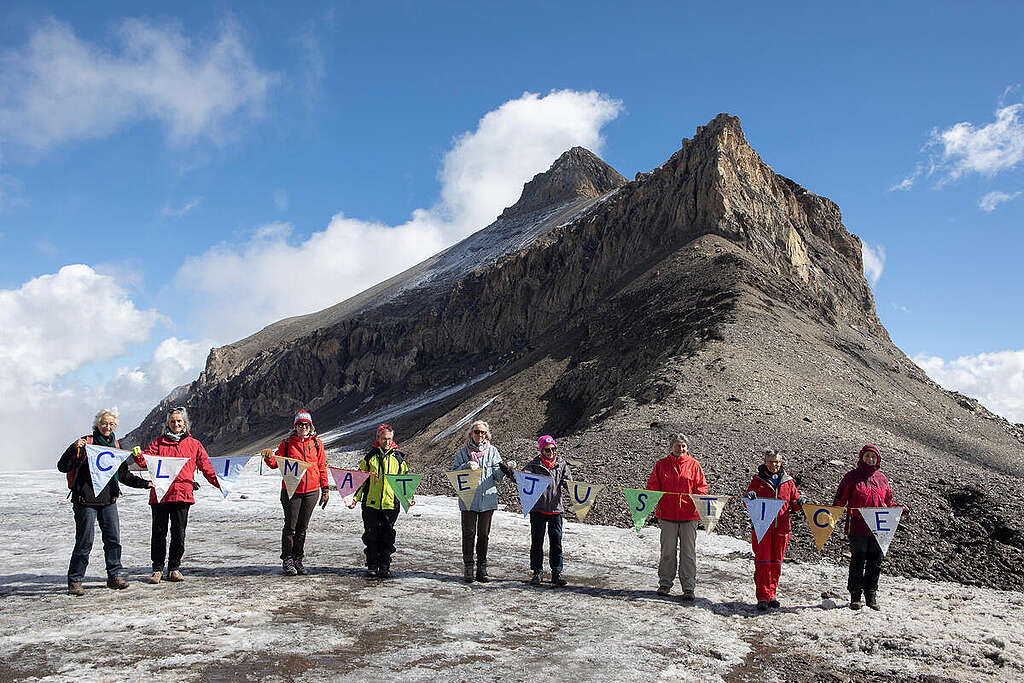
<point>772,481</point>
<point>677,516</point>
<point>302,444</point>
<point>175,442</point>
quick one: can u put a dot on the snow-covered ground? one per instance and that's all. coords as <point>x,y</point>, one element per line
<point>236,618</point>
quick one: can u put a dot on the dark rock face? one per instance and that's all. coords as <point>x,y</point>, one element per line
<point>710,296</point>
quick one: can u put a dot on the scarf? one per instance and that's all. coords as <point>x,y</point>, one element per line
<point>550,464</point>
<point>476,453</point>
<point>174,437</point>
<point>101,440</point>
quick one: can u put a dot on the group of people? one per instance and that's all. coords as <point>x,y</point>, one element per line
<point>676,473</point>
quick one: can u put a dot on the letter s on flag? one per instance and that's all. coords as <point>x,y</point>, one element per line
<point>642,500</point>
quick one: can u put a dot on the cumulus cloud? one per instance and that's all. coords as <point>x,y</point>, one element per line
<point>995,379</point>
<point>993,199</point>
<point>59,88</point>
<point>997,146</point>
<point>238,288</point>
<point>874,261</point>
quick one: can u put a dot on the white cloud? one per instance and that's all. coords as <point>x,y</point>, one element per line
<point>59,88</point>
<point>281,200</point>
<point>993,199</point>
<point>240,288</point>
<point>988,149</point>
<point>905,184</point>
<point>874,261</point>
<point>178,212</point>
<point>995,379</point>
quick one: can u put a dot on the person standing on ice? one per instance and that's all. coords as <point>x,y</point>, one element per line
<point>677,516</point>
<point>864,486</point>
<point>175,442</point>
<point>480,454</point>
<point>772,481</point>
<point>547,512</point>
<point>91,507</point>
<point>302,444</point>
<point>380,505</point>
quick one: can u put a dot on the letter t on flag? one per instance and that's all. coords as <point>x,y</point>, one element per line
<point>404,486</point>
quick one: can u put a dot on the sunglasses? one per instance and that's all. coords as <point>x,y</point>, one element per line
<point>479,431</point>
<point>550,449</point>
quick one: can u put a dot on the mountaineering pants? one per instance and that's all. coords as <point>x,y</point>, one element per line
<point>538,523</point>
<point>768,556</point>
<point>476,527</point>
<point>379,536</point>
<point>297,511</point>
<point>177,515</point>
<point>865,564</point>
<point>680,535</point>
<point>86,517</point>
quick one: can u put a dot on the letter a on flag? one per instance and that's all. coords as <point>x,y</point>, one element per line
<point>292,471</point>
<point>762,513</point>
<point>709,508</point>
<point>465,483</point>
<point>228,467</point>
<point>641,503</point>
<point>531,488</point>
<point>348,481</point>
<point>822,520</point>
<point>103,463</point>
<point>404,486</point>
<point>163,472</point>
<point>883,523</point>
<point>582,496</point>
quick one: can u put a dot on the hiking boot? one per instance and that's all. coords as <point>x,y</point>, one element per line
<point>299,569</point>
<point>467,573</point>
<point>664,590</point>
<point>535,579</point>
<point>154,577</point>
<point>371,572</point>
<point>175,576</point>
<point>556,578</point>
<point>384,572</point>
<point>75,588</point>
<point>688,596</point>
<point>481,573</point>
<point>774,604</point>
<point>762,605</point>
<point>855,601</point>
<point>871,600</point>
<point>288,567</point>
<point>116,582</point>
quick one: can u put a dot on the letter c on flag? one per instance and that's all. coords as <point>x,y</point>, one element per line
<point>99,466</point>
<point>817,522</point>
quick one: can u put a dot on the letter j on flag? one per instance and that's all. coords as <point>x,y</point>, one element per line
<point>531,488</point>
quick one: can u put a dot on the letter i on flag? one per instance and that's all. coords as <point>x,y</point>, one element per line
<point>822,520</point>
<point>641,503</point>
<point>163,472</point>
<point>292,471</point>
<point>709,508</point>
<point>103,463</point>
<point>404,486</point>
<point>883,523</point>
<point>582,496</point>
<point>465,482</point>
<point>228,467</point>
<point>762,513</point>
<point>348,481</point>
<point>531,488</point>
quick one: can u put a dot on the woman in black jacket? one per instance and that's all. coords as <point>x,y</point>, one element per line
<point>91,506</point>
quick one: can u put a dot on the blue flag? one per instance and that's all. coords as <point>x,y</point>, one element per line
<point>103,464</point>
<point>762,513</point>
<point>228,467</point>
<point>531,488</point>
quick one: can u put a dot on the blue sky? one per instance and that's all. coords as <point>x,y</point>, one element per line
<point>211,169</point>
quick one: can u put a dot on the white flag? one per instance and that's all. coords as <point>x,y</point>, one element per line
<point>228,467</point>
<point>103,464</point>
<point>163,472</point>
<point>883,523</point>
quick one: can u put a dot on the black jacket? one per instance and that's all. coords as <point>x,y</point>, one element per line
<point>81,484</point>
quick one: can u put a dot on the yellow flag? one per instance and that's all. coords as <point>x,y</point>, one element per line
<point>465,483</point>
<point>582,496</point>
<point>822,520</point>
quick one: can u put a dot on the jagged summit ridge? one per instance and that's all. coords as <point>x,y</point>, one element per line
<point>577,174</point>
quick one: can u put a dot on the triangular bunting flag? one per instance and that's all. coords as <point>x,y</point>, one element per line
<point>163,472</point>
<point>531,488</point>
<point>404,486</point>
<point>883,523</point>
<point>465,483</point>
<point>228,467</point>
<point>762,513</point>
<point>292,471</point>
<point>348,481</point>
<point>641,503</point>
<point>103,464</point>
<point>822,520</point>
<point>582,496</point>
<point>709,508</point>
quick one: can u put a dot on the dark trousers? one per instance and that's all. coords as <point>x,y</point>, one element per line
<point>177,515</point>
<point>297,511</point>
<point>86,517</point>
<point>553,524</point>
<point>865,564</point>
<point>379,536</point>
<point>476,528</point>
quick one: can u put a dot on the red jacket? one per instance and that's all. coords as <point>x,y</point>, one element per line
<point>787,491</point>
<point>309,450</point>
<point>677,474</point>
<point>180,490</point>
<point>864,487</point>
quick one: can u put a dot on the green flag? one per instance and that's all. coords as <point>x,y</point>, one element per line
<point>641,503</point>
<point>404,486</point>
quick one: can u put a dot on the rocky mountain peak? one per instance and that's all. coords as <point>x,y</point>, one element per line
<point>577,174</point>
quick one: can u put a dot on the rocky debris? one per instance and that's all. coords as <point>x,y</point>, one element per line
<point>577,174</point>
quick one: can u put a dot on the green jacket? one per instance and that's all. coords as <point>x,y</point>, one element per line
<point>376,492</point>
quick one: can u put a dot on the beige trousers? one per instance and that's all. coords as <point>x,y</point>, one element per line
<point>678,537</point>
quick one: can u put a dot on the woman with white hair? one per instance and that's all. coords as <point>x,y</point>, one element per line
<point>479,454</point>
<point>175,442</point>
<point>96,506</point>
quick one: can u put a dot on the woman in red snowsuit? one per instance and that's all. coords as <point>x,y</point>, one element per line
<point>772,481</point>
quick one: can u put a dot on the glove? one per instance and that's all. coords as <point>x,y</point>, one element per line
<point>474,465</point>
<point>750,495</point>
<point>801,501</point>
<point>136,451</point>
<point>512,464</point>
<point>412,501</point>
<point>266,453</point>
<point>352,504</point>
<point>325,495</point>
<point>195,486</point>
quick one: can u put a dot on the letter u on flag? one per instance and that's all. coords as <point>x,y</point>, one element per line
<point>404,486</point>
<point>822,520</point>
<point>582,496</point>
<point>103,464</point>
<point>163,472</point>
<point>465,482</point>
<point>709,508</point>
<point>228,468</point>
<point>641,504</point>
<point>883,523</point>
<point>292,471</point>
<point>762,513</point>
<point>348,481</point>
<point>531,488</point>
